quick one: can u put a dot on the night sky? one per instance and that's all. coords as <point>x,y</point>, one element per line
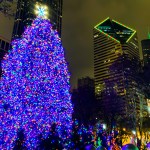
<point>79,18</point>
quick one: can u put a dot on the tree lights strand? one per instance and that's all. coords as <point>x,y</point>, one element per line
<point>34,88</point>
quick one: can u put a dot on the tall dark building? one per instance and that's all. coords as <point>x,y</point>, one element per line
<point>146,51</point>
<point>26,13</point>
<point>87,83</point>
<point>146,69</point>
<point>116,59</point>
<point>83,99</point>
<point>4,47</point>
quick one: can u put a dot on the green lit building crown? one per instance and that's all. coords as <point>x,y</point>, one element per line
<point>115,30</point>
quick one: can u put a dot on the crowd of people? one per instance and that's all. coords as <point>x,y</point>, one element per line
<point>82,138</point>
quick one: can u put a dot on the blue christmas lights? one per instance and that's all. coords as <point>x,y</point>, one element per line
<point>34,88</point>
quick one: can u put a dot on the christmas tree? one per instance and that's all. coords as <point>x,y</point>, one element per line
<point>34,88</point>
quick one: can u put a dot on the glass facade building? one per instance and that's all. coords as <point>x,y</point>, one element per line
<point>116,59</point>
<point>111,40</point>
<point>25,14</point>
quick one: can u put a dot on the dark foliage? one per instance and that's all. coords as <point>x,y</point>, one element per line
<point>19,143</point>
<point>52,142</point>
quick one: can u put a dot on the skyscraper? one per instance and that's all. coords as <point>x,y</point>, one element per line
<point>111,40</point>
<point>25,14</point>
<point>146,50</point>
<point>116,58</point>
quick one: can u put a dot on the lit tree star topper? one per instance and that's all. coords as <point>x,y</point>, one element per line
<point>41,11</point>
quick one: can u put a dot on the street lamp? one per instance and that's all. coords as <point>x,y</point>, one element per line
<point>104,126</point>
<point>134,132</point>
<point>124,129</point>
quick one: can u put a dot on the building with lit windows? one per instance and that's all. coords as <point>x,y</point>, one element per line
<point>116,59</point>
<point>26,13</point>
<point>146,50</point>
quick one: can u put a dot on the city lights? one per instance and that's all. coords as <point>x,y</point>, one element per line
<point>134,132</point>
<point>104,126</point>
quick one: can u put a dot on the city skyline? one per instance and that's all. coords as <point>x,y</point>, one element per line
<point>79,18</point>
<point>77,28</point>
